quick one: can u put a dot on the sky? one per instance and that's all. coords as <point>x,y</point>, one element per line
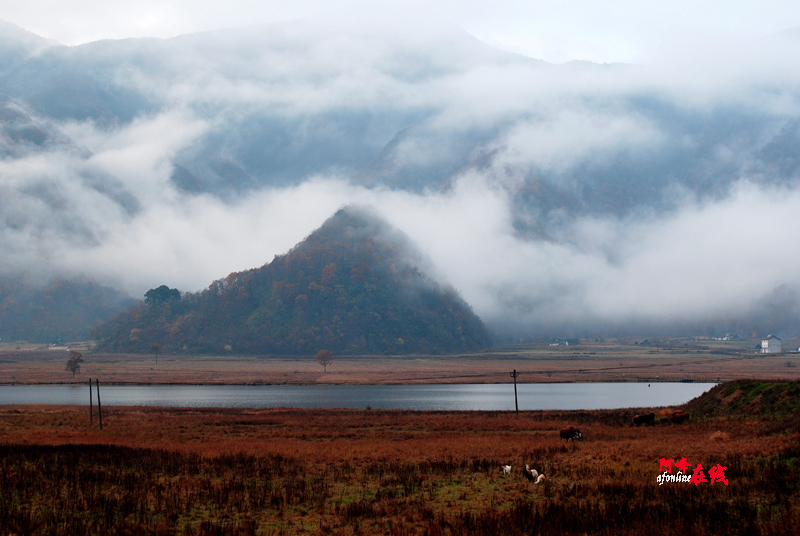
<point>556,31</point>
<point>700,60</point>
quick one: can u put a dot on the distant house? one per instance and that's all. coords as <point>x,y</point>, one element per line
<point>729,337</point>
<point>771,345</point>
<point>564,342</point>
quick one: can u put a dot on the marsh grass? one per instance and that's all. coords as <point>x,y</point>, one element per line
<point>268,472</point>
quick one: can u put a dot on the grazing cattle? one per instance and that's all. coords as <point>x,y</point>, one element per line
<point>506,469</point>
<point>571,433</point>
<point>648,418</point>
<point>529,473</point>
<point>678,417</point>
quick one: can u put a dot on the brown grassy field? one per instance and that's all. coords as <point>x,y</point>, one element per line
<point>607,361</point>
<point>287,471</point>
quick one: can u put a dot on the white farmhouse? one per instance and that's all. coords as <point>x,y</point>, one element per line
<point>771,345</point>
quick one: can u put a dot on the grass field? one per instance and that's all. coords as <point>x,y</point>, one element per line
<point>590,361</point>
<point>285,471</point>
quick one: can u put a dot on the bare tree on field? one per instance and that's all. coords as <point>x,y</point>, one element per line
<point>74,362</point>
<point>325,357</point>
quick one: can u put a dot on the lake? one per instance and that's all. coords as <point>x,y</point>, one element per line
<point>531,396</point>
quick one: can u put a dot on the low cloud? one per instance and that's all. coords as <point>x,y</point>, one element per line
<point>558,143</point>
<point>680,182</point>
<point>712,260</point>
<point>708,260</point>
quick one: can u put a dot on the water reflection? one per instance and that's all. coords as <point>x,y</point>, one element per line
<point>564,396</point>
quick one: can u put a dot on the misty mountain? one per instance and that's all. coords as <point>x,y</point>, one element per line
<point>58,310</point>
<point>264,93</point>
<point>353,287</point>
<point>18,46</point>
<point>594,195</point>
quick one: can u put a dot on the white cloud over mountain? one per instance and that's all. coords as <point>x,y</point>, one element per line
<point>573,196</point>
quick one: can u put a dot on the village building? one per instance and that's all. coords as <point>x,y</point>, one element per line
<point>564,342</point>
<point>771,345</point>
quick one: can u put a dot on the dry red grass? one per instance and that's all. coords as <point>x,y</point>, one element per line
<point>401,472</point>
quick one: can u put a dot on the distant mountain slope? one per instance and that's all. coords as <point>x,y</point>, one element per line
<point>60,310</point>
<point>18,45</point>
<point>627,198</point>
<point>279,103</point>
<point>352,287</point>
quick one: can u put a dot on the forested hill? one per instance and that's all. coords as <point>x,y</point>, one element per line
<point>352,287</point>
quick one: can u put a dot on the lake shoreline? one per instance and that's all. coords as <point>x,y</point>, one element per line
<point>259,384</point>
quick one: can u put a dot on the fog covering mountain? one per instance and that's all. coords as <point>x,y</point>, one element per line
<point>354,286</point>
<point>58,311</point>
<point>558,199</point>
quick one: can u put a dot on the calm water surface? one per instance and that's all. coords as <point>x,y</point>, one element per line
<point>531,396</point>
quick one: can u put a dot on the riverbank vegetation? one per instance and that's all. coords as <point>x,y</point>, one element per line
<point>285,471</point>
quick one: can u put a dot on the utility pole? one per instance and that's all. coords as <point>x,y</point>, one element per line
<point>91,418</point>
<point>99,408</point>
<point>513,375</point>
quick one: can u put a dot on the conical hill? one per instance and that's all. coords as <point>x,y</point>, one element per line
<point>352,287</point>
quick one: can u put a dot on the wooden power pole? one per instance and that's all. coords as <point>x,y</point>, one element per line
<point>513,375</point>
<point>91,417</point>
<point>99,407</point>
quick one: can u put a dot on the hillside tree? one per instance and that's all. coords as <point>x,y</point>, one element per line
<point>156,296</point>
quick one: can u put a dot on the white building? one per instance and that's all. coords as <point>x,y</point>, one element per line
<point>771,345</point>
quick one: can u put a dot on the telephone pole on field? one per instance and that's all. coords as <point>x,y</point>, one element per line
<point>514,375</point>
<point>91,419</point>
<point>99,407</point>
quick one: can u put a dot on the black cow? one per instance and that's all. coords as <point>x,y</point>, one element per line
<point>571,433</point>
<point>649,418</point>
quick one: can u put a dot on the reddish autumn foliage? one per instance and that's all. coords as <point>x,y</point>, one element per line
<point>353,286</point>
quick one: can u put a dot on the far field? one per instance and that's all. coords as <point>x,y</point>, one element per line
<point>590,361</point>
